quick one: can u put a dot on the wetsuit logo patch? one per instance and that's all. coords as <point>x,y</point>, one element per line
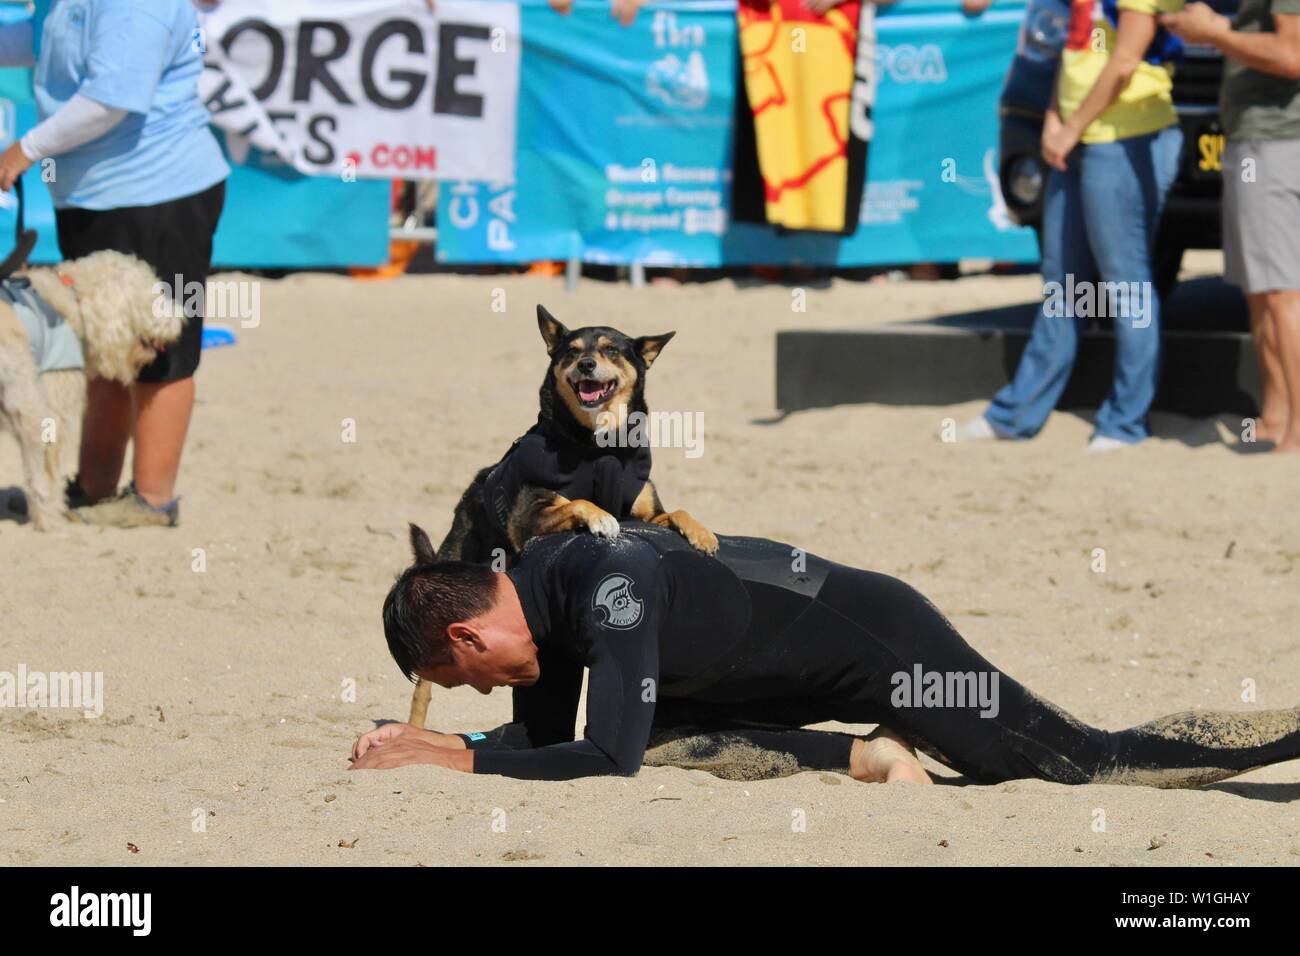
<point>614,596</point>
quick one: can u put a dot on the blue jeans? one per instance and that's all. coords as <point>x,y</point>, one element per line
<point>1099,223</point>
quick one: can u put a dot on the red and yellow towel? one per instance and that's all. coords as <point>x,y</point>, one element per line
<point>798,77</point>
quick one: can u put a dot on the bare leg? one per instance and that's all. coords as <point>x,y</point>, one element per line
<point>1274,413</point>
<point>105,431</point>
<point>162,421</point>
<point>1284,310</point>
<point>766,753</point>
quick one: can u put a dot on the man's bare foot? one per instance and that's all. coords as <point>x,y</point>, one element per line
<point>884,758</point>
<point>1287,445</point>
<point>1268,430</point>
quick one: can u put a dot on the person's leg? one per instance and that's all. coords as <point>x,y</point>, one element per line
<point>110,412</point>
<point>175,239</point>
<point>1284,313</point>
<point>927,685</point>
<point>161,423</point>
<point>748,753</point>
<point>105,432</point>
<point>1275,404</point>
<point>1261,251</point>
<point>1124,187</point>
<point>181,254</point>
<point>730,743</point>
<point>1021,407</point>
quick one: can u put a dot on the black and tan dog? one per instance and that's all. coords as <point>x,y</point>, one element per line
<point>566,473</point>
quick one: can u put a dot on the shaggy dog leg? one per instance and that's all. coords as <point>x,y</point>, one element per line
<point>23,404</point>
<point>65,397</point>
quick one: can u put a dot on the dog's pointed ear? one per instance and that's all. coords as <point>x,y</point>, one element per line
<point>422,546</point>
<point>554,334</point>
<point>649,346</point>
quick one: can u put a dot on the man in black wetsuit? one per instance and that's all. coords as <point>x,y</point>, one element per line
<point>744,649</point>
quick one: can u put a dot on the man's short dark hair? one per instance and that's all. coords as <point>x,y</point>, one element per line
<point>425,601</point>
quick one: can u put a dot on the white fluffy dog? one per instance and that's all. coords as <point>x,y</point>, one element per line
<point>109,302</point>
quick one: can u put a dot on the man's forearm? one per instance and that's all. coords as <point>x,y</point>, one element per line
<point>1110,83</point>
<point>567,761</point>
<point>1267,52</point>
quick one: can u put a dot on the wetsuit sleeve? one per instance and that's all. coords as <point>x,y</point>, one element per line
<point>615,610</point>
<point>544,713</point>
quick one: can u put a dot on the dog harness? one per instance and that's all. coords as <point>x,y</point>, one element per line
<point>54,345</point>
<point>610,478</point>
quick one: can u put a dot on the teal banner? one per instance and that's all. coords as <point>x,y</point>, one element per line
<point>625,142</point>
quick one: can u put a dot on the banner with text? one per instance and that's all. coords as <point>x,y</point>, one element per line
<point>378,89</point>
<point>625,146</point>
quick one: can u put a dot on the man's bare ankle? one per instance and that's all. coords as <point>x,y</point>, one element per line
<point>1270,429</point>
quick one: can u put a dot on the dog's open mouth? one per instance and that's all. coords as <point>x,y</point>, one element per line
<point>592,393</point>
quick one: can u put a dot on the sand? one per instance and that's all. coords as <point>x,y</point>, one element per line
<point>232,694</point>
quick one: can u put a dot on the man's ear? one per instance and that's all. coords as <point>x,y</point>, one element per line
<point>554,334</point>
<point>422,546</point>
<point>649,346</point>
<point>462,633</point>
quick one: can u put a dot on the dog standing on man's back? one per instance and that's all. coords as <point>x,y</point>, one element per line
<point>564,474</point>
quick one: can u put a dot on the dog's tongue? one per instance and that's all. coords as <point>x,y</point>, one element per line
<point>590,391</point>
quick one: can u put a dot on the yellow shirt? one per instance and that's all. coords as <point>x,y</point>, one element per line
<point>1145,105</point>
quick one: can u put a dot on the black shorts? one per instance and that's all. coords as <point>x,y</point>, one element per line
<point>174,238</point>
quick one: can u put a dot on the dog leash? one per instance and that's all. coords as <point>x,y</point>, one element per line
<point>24,238</point>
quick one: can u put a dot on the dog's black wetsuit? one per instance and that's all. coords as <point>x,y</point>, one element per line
<point>749,647</point>
<point>548,456</point>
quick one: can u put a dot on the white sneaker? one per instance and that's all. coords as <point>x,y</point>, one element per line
<point>1106,443</point>
<point>977,429</point>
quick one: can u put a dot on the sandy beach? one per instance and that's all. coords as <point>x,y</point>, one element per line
<point>242,653</point>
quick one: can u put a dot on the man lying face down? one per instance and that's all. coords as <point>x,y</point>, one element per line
<point>696,654</point>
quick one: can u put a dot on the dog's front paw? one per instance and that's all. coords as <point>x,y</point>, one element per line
<point>604,525</point>
<point>700,538</point>
<point>583,514</point>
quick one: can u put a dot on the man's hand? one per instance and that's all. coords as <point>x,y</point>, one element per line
<point>388,732</point>
<point>562,7</point>
<point>13,164</point>
<point>404,749</point>
<point>1196,23</point>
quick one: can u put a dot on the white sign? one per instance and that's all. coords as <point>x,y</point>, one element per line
<point>382,89</point>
